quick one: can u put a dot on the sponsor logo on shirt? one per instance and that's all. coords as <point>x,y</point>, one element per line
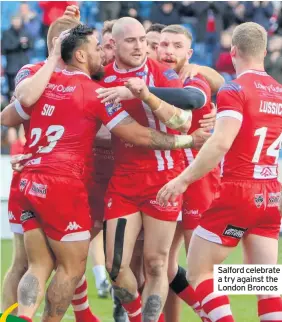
<point>270,88</point>
<point>266,172</point>
<point>273,199</point>
<point>72,226</point>
<point>38,190</point>
<point>170,74</point>
<point>191,212</point>
<point>21,76</point>
<point>26,215</point>
<point>141,74</point>
<point>233,231</point>
<point>23,183</point>
<point>110,79</point>
<point>259,199</point>
<point>61,88</point>
<point>112,108</point>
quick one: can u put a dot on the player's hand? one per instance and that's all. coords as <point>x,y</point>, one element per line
<point>56,52</point>
<point>189,71</point>
<point>200,136</point>
<point>172,190</point>
<point>73,12</point>
<point>208,120</point>
<point>17,160</point>
<point>138,88</point>
<point>114,94</point>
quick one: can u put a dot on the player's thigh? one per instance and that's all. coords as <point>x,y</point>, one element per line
<point>38,251</point>
<point>158,237</point>
<point>174,252</point>
<point>202,255</point>
<point>120,235</point>
<point>260,250</point>
<point>71,255</point>
<point>187,238</point>
<point>19,252</point>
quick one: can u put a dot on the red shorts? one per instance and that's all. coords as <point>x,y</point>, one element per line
<point>242,207</point>
<point>198,198</point>
<point>130,193</point>
<point>15,205</point>
<point>97,204</point>
<point>59,205</point>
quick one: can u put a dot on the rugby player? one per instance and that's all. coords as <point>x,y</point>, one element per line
<point>153,35</point>
<point>247,134</point>
<point>14,115</point>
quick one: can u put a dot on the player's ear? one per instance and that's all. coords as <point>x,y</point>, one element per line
<point>233,51</point>
<point>189,54</point>
<point>80,56</point>
<point>113,43</point>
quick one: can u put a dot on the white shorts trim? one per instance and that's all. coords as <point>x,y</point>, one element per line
<point>82,235</point>
<point>16,228</point>
<point>208,235</point>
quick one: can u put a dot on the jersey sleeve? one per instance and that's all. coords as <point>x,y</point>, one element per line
<point>25,72</point>
<point>23,112</point>
<point>199,84</point>
<point>108,113</point>
<point>230,101</point>
<point>168,78</point>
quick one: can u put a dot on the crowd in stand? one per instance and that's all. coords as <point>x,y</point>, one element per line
<point>25,26</point>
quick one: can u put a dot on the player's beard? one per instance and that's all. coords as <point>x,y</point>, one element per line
<point>99,74</point>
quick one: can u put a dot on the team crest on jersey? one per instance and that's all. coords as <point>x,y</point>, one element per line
<point>23,183</point>
<point>112,108</point>
<point>266,172</point>
<point>141,74</point>
<point>259,199</point>
<point>21,75</point>
<point>170,74</point>
<point>38,190</point>
<point>110,79</point>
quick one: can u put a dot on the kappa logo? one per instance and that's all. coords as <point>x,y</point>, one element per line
<point>266,172</point>
<point>259,199</point>
<point>23,184</point>
<point>72,226</point>
<point>110,79</point>
<point>38,190</point>
<point>233,231</point>
<point>110,202</point>
<point>11,215</point>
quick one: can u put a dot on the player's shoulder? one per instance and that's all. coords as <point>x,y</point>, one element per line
<point>156,67</point>
<point>27,71</point>
<point>231,87</point>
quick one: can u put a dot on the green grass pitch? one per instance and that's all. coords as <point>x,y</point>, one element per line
<point>243,307</point>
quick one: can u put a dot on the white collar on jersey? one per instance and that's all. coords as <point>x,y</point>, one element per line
<point>253,71</point>
<point>124,71</point>
<point>68,73</point>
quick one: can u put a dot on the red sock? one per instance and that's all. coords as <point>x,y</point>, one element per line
<point>133,310</point>
<point>216,306</point>
<point>25,318</point>
<point>270,309</point>
<point>188,295</point>
<point>80,303</point>
<point>161,318</point>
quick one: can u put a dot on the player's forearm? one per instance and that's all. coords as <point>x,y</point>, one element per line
<point>30,89</point>
<point>170,115</point>
<point>214,79</point>
<point>10,117</point>
<point>161,141</point>
<point>207,159</point>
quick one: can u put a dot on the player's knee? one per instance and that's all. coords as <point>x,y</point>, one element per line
<point>155,265</point>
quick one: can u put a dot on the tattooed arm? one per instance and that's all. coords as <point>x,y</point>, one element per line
<point>132,132</point>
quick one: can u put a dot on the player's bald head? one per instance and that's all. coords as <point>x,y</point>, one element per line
<point>126,26</point>
<point>250,39</point>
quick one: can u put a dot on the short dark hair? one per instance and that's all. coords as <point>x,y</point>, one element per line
<point>77,37</point>
<point>157,27</point>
